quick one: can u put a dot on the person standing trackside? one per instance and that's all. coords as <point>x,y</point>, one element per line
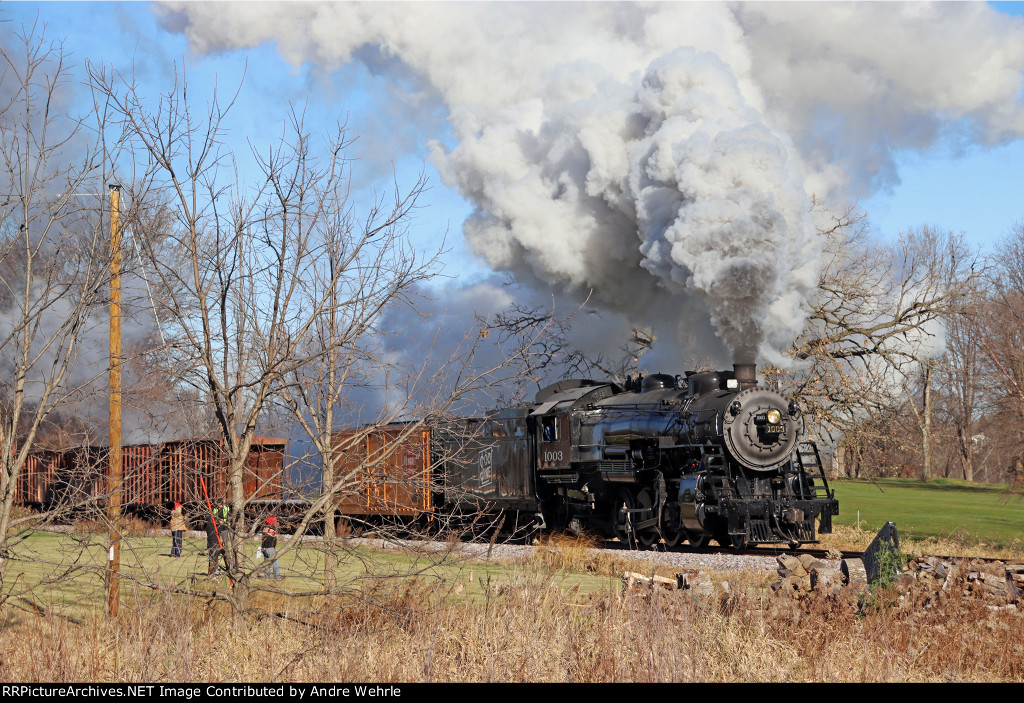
<point>177,530</point>
<point>223,512</point>
<point>269,547</point>
<point>213,544</point>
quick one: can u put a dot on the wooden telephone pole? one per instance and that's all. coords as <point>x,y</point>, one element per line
<point>114,457</point>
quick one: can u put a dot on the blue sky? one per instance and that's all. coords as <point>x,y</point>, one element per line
<point>128,34</point>
<point>979,193</point>
<point>977,190</point>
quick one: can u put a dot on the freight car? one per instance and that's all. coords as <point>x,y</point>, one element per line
<point>710,455</point>
<point>385,471</point>
<point>155,476</point>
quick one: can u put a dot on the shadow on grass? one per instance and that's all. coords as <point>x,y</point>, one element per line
<point>937,484</point>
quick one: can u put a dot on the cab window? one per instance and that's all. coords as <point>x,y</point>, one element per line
<point>549,429</point>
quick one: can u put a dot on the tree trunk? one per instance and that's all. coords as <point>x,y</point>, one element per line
<point>839,462</point>
<point>926,426</point>
<point>330,533</point>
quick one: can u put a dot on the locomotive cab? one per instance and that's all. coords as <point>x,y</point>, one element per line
<point>552,433</point>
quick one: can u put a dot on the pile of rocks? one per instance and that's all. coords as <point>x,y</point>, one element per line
<point>998,583</point>
<point>803,574</point>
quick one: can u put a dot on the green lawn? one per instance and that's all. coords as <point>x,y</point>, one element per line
<point>66,571</point>
<point>939,509</point>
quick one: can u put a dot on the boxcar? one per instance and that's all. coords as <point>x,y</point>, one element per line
<point>387,471</point>
<point>416,471</point>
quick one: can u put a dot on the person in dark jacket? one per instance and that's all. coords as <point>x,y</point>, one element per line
<point>214,544</point>
<point>269,547</point>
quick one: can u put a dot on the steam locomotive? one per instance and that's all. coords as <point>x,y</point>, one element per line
<point>661,459</point>
<point>711,455</point>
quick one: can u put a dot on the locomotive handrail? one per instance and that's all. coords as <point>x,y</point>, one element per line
<point>693,416</point>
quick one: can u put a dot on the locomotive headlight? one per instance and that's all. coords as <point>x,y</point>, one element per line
<point>774,417</point>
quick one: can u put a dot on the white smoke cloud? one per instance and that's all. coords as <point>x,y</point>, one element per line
<point>664,154</point>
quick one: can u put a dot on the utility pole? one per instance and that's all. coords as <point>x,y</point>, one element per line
<point>114,457</point>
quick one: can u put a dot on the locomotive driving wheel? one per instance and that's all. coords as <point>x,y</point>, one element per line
<point>622,518</point>
<point>671,528</point>
<point>645,501</point>
<point>722,538</point>
<point>698,540</point>
<point>672,538</point>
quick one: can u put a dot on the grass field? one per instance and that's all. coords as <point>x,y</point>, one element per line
<point>537,621</point>
<point>64,573</point>
<point>939,510</point>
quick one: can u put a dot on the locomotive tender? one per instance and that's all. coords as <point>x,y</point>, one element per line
<point>709,456</point>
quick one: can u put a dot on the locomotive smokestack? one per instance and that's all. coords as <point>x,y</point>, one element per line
<point>746,374</point>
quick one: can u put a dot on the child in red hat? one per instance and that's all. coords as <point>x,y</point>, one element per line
<point>269,546</point>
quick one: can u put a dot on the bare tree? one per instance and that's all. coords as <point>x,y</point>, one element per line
<point>53,253</point>
<point>240,273</point>
<point>365,266</point>
<point>961,377</point>
<point>275,296</point>
<point>537,340</point>
<point>877,310</point>
<point>1001,335</point>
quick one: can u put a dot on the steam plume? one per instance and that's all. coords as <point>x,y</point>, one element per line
<point>664,154</point>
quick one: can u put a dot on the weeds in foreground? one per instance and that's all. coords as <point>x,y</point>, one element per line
<point>578,553</point>
<point>528,627</point>
<point>959,544</point>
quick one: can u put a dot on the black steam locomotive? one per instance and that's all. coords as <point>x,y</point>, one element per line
<point>711,455</point>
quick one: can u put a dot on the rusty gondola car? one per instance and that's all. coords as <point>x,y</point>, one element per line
<point>155,476</point>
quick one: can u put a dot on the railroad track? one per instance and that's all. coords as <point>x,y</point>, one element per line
<point>767,550</point>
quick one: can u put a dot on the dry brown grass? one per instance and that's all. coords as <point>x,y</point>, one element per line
<point>565,552</point>
<point>528,628</point>
<point>131,526</point>
<point>848,538</point>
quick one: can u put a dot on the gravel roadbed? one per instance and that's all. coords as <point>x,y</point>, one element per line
<point>512,552</point>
